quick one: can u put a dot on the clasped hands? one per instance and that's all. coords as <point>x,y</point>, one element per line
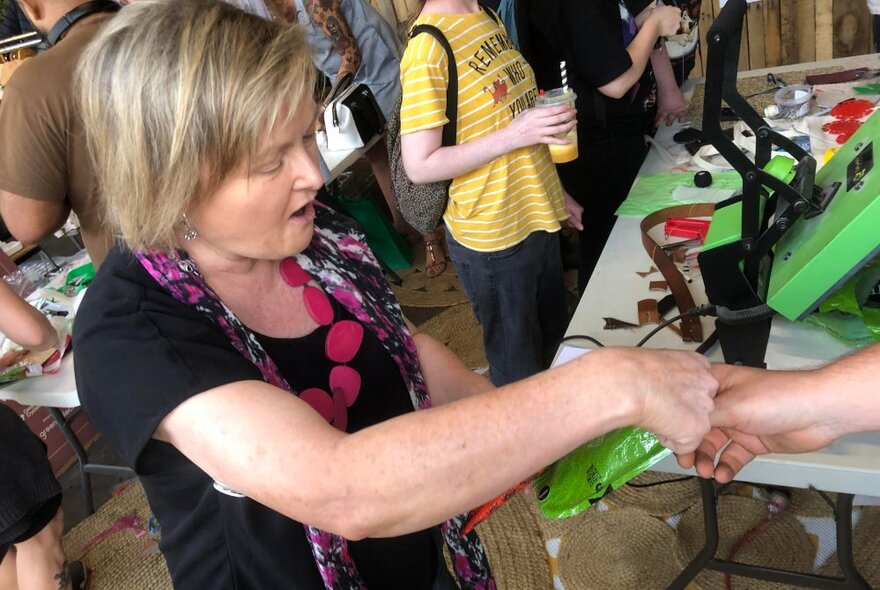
<point>758,412</point>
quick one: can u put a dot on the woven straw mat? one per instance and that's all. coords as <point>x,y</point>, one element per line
<point>458,329</point>
<point>121,561</point>
<point>420,290</point>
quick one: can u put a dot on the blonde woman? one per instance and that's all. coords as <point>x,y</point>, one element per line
<point>245,355</point>
<point>506,204</point>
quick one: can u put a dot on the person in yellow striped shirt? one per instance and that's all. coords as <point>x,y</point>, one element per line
<point>506,202</point>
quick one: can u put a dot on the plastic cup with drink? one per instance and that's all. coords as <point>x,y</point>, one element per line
<point>561,153</point>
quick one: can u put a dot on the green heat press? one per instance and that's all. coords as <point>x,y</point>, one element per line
<point>792,236</point>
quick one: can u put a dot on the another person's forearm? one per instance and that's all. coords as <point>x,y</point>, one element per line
<point>24,324</point>
<point>847,389</point>
<point>447,377</point>
<point>663,73</point>
<point>450,162</point>
<point>639,50</point>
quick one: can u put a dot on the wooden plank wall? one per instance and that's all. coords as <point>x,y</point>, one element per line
<point>782,32</point>
<point>776,32</point>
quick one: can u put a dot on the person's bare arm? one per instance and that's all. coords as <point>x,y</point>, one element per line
<point>425,159</point>
<point>23,323</point>
<point>671,104</point>
<point>663,21</point>
<point>31,220</point>
<point>759,412</point>
<point>447,377</point>
<point>327,14</point>
<point>419,469</point>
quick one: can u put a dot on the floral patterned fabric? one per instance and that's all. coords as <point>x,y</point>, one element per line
<point>341,262</point>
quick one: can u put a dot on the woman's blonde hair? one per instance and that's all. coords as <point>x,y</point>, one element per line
<point>177,94</point>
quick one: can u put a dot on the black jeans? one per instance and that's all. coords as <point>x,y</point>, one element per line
<point>518,295</point>
<point>600,180</point>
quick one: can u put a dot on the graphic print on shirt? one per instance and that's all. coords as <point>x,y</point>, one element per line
<point>498,90</point>
<point>513,73</point>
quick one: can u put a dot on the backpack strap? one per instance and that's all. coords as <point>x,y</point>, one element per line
<point>450,129</point>
<point>492,14</point>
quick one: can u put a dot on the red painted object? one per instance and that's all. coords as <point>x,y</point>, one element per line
<point>849,115</point>
<point>682,227</point>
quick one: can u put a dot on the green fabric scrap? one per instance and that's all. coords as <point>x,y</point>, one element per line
<point>653,192</point>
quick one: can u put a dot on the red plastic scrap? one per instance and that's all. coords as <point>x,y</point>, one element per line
<point>848,115</point>
<point>683,227</point>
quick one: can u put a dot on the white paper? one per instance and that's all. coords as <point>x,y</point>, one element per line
<point>569,353</point>
<point>701,195</point>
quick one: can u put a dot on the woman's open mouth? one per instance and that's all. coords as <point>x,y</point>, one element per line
<point>304,214</point>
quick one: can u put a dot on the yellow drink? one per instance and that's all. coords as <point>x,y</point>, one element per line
<point>565,153</point>
<point>568,152</point>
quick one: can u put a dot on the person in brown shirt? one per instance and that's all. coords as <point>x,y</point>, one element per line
<point>45,169</point>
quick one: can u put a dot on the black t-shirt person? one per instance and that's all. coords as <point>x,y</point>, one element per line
<point>591,37</point>
<point>140,353</point>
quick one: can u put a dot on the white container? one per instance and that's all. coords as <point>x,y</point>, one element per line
<point>793,101</point>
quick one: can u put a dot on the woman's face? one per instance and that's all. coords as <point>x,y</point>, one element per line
<point>264,209</point>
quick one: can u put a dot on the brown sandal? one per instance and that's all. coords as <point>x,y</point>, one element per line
<point>435,257</point>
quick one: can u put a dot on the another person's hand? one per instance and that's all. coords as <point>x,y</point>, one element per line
<point>759,412</point>
<point>671,106</point>
<point>667,19</point>
<point>575,212</point>
<point>673,392</point>
<point>540,125</point>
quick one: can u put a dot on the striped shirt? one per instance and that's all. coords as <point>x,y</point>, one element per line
<point>497,205</point>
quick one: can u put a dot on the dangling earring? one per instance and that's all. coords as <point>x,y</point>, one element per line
<point>189,232</point>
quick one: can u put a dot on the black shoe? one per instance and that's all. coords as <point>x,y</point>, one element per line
<point>78,574</point>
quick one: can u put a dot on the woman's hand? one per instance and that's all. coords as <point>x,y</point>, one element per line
<point>540,125</point>
<point>672,391</point>
<point>575,212</point>
<point>667,19</point>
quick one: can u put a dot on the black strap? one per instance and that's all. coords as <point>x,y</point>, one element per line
<point>83,10</point>
<point>450,129</point>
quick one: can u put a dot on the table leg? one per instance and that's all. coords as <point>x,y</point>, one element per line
<point>843,518</point>
<point>81,456</point>
<point>705,559</point>
<point>86,468</point>
<point>710,526</point>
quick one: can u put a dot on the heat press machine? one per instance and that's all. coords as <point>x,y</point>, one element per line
<point>793,235</point>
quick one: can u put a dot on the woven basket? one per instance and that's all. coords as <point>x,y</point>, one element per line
<point>783,544</point>
<point>624,548</point>
<point>659,500</point>
<point>515,547</point>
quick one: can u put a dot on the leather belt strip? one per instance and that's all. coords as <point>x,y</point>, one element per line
<point>691,329</point>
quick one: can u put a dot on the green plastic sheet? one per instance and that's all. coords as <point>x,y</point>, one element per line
<point>583,477</point>
<point>653,192</point>
<point>845,314</point>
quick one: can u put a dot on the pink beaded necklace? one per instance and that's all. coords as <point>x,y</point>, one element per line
<point>344,339</point>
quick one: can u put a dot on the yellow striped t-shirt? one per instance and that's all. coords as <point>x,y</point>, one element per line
<point>498,205</point>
